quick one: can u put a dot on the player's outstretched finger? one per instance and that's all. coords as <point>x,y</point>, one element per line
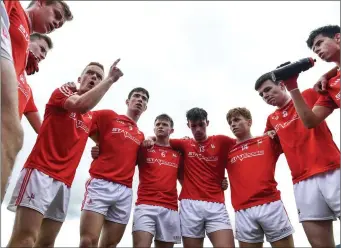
<point>116,62</point>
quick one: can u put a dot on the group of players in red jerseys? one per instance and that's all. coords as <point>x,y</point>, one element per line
<point>41,196</point>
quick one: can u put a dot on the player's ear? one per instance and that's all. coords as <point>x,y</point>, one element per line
<point>249,122</point>
<point>337,37</point>
<point>171,131</point>
<point>281,84</point>
<point>127,102</point>
<point>79,80</point>
<point>208,122</point>
<point>145,108</point>
<point>188,125</point>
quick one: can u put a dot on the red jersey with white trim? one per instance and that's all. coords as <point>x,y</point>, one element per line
<point>61,139</point>
<point>308,151</point>
<point>158,173</point>
<point>119,142</point>
<point>251,170</point>
<point>204,167</point>
<point>19,31</point>
<point>26,102</point>
<point>332,100</point>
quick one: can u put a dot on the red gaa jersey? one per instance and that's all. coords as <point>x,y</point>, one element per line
<point>26,101</point>
<point>308,151</point>
<point>61,139</point>
<point>251,170</point>
<point>158,173</point>
<point>119,142</point>
<point>204,167</point>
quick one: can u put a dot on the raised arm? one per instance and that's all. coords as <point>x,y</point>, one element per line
<point>85,102</point>
<point>311,117</point>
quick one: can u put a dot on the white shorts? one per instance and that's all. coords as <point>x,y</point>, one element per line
<point>318,197</point>
<point>110,199</point>
<point>162,222</point>
<point>6,47</point>
<point>40,192</point>
<point>269,219</point>
<point>196,217</point>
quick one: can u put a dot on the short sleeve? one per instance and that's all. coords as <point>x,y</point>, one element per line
<point>178,144</point>
<point>326,101</point>
<point>30,106</point>
<point>59,96</point>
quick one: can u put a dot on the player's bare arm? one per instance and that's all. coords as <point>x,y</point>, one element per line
<point>85,102</point>
<point>310,117</point>
<point>34,120</point>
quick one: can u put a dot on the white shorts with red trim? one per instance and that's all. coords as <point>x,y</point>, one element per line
<point>40,192</point>
<point>113,200</point>
<point>196,217</point>
<point>162,223</point>
<point>318,197</point>
<point>269,219</point>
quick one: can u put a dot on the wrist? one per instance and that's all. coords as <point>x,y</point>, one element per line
<point>109,80</point>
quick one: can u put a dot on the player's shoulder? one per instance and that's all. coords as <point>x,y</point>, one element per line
<point>63,90</point>
<point>105,113</point>
<point>224,139</point>
<point>311,96</point>
<point>309,92</point>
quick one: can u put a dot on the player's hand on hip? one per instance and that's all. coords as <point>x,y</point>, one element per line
<point>321,85</point>
<point>95,152</point>
<point>115,73</point>
<point>32,64</point>
<point>224,184</point>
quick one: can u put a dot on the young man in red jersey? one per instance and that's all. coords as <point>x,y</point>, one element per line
<point>202,200</point>
<point>40,45</point>
<point>42,193</point>
<point>42,16</point>
<point>11,130</point>
<point>313,158</point>
<point>108,196</point>
<point>156,212</point>
<point>325,42</point>
<point>254,194</point>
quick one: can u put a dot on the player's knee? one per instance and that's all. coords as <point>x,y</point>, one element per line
<point>88,241</point>
<point>23,239</point>
<point>44,242</point>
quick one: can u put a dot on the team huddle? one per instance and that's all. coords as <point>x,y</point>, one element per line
<point>297,129</point>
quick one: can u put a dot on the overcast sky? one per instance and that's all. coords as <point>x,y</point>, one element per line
<point>186,54</point>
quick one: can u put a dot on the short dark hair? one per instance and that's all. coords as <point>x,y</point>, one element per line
<point>196,114</point>
<point>165,117</point>
<point>138,89</point>
<point>37,36</point>
<point>67,12</point>
<point>96,64</point>
<point>262,79</point>
<point>239,111</point>
<point>327,31</point>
